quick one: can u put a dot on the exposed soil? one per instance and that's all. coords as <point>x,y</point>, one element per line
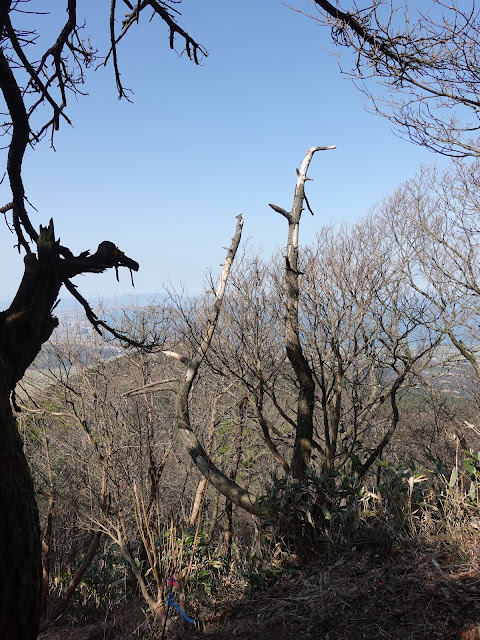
<point>405,595</point>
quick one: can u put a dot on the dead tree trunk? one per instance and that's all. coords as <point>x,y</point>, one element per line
<point>202,485</point>
<point>217,478</point>
<point>306,395</point>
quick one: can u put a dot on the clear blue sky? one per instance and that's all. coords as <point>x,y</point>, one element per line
<point>165,177</point>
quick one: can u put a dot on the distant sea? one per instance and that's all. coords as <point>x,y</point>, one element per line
<point>67,302</point>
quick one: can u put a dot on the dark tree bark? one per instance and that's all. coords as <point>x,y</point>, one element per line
<point>20,550</point>
<point>24,327</point>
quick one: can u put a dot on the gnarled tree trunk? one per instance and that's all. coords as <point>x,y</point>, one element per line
<point>24,327</point>
<point>302,448</point>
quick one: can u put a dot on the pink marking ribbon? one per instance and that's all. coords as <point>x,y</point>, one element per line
<point>173,583</point>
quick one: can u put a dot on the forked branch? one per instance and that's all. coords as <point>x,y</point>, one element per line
<point>305,404</point>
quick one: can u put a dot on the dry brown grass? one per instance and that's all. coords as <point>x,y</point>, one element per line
<point>410,594</point>
<point>424,585</point>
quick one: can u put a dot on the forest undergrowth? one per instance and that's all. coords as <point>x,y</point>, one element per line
<point>334,560</point>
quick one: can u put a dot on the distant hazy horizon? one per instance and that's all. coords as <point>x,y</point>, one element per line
<point>163,178</point>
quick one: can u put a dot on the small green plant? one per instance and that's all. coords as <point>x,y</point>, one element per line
<point>457,492</point>
<point>258,573</point>
<point>104,585</point>
<point>304,516</point>
<point>402,494</point>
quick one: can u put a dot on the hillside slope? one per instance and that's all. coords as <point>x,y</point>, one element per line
<point>407,594</point>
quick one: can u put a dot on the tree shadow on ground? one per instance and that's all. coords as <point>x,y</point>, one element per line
<point>407,594</point>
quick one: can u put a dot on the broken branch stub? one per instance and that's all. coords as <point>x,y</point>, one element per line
<point>302,448</point>
<point>217,478</point>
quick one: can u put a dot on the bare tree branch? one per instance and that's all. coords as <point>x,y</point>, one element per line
<point>427,59</point>
<point>217,478</point>
<point>306,402</point>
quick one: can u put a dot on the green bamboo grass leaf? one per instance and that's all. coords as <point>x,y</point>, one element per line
<point>453,478</point>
